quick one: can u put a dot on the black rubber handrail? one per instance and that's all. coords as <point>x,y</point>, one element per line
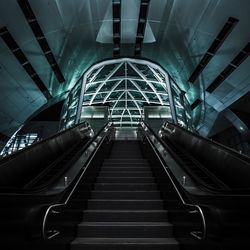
<point>181,163</point>
<point>32,191</point>
<point>70,190</point>
<point>179,190</point>
<point>222,192</point>
<point>212,142</point>
<point>43,141</point>
<point>83,149</point>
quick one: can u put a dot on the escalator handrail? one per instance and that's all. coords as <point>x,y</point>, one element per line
<point>54,233</point>
<point>31,191</point>
<point>177,189</point>
<point>171,151</point>
<point>89,142</point>
<point>212,142</point>
<point>224,192</point>
<point>43,141</point>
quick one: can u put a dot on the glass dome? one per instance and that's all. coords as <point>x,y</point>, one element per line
<point>126,85</point>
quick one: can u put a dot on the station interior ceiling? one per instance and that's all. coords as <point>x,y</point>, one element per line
<point>46,46</point>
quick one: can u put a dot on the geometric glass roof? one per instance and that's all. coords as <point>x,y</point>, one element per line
<point>126,85</point>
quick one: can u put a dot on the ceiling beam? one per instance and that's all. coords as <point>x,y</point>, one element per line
<point>41,39</point>
<point>217,43</point>
<point>142,21</point>
<point>196,103</point>
<point>22,59</point>
<point>116,27</point>
<point>232,66</point>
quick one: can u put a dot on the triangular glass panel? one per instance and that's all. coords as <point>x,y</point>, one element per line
<point>131,86</point>
<point>120,104</point>
<point>131,72</point>
<point>108,86</point>
<point>114,95</point>
<point>119,73</point>
<point>145,70</point>
<point>121,85</point>
<point>126,112</point>
<point>131,104</point>
<point>137,95</point>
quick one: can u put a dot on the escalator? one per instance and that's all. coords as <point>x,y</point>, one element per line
<point>125,208</point>
<point>123,194</point>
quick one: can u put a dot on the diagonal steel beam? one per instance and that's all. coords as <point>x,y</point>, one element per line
<point>104,82</point>
<point>41,39</point>
<point>136,104</point>
<point>147,81</point>
<point>135,84</point>
<point>111,91</point>
<point>142,21</point>
<point>116,27</point>
<point>118,99</point>
<point>217,43</point>
<point>23,60</point>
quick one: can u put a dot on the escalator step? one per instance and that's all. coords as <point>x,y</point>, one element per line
<point>137,195</point>
<point>125,244</point>
<point>126,187</point>
<point>125,204</point>
<point>125,174</point>
<point>127,168</point>
<point>125,215</point>
<point>125,229</point>
<point>125,180</point>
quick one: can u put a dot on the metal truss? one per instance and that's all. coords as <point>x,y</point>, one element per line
<point>126,85</point>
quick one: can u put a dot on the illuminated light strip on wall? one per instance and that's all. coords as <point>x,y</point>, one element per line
<point>235,63</point>
<point>41,39</point>
<point>22,59</point>
<point>217,43</point>
<point>116,27</point>
<point>142,21</point>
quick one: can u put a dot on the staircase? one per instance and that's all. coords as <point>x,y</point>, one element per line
<point>125,209</point>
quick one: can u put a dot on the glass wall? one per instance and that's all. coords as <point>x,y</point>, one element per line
<point>182,106</point>
<point>70,107</point>
<point>126,85</point>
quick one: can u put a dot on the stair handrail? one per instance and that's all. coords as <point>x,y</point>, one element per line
<point>198,235</point>
<point>51,208</point>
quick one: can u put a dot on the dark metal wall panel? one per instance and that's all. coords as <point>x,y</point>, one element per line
<point>3,137</point>
<point>41,39</point>
<point>18,53</point>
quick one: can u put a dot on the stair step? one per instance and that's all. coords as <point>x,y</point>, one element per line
<point>126,186</point>
<point>125,215</point>
<point>125,229</point>
<point>131,195</point>
<point>125,174</point>
<point>128,168</point>
<point>125,161</point>
<point>125,204</point>
<point>125,180</point>
<point>126,165</point>
<point>125,244</point>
